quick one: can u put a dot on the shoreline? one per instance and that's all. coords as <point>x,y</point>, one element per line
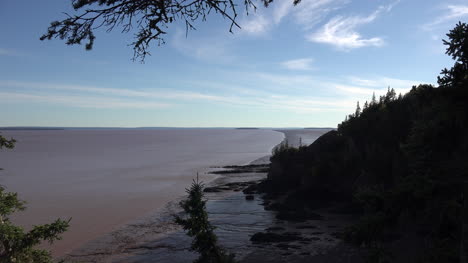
<point>156,236</point>
<point>109,241</point>
<point>106,179</point>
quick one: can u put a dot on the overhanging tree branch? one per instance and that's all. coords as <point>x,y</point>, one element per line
<point>151,18</point>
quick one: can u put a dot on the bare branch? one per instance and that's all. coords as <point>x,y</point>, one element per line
<point>150,19</point>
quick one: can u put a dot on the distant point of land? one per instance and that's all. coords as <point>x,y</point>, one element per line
<point>319,128</point>
<point>31,129</point>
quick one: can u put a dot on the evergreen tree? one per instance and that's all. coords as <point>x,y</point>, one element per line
<point>197,226</point>
<point>358,110</point>
<point>16,245</point>
<point>458,49</point>
<point>373,101</point>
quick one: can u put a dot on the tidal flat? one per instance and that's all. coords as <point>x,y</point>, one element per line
<point>237,217</point>
<point>105,179</point>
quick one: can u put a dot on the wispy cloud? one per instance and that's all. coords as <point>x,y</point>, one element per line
<point>307,14</point>
<point>377,85</point>
<point>384,82</point>
<point>280,10</point>
<point>341,31</point>
<point>81,101</point>
<point>113,92</point>
<point>298,64</point>
<point>298,93</point>
<point>312,12</point>
<point>9,52</point>
<point>205,49</point>
<point>451,14</point>
<point>257,25</point>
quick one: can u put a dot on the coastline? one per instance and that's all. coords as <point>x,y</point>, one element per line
<point>105,179</point>
<point>137,230</point>
<point>156,237</point>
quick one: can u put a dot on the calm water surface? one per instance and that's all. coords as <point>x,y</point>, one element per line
<point>105,178</point>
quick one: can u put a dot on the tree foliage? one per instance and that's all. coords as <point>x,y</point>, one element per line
<point>402,159</point>
<point>7,143</point>
<point>150,18</point>
<point>16,244</point>
<point>457,48</point>
<point>197,225</point>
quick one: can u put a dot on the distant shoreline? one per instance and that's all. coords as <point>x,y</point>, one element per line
<point>53,128</point>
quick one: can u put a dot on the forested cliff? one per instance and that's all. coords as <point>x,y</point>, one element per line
<point>400,162</point>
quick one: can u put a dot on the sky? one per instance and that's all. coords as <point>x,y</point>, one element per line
<point>287,66</point>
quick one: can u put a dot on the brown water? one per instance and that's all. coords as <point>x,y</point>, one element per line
<point>103,179</point>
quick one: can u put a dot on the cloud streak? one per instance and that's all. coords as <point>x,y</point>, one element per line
<point>452,12</point>
<point>307,14</point>
<point>298,64</point>
<point>273,92</point>
<point>81,101</point>
<point>9,52</point>
<point>258,25</point>
<point>341,31</point>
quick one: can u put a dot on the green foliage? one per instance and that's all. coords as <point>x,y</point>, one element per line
<point>283,149</point>
<point>150,19</point>
<point>458,50</point>
<point>197,225</point>
<point>402,159</point>
<point>4,142</point>
<point>17,245</point>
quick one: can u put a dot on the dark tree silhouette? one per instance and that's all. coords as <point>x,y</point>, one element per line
<point>358,110</point>
<point>403,162</point>
<point>458,50</point>
<point>151,18</point>
<point>196,223</point>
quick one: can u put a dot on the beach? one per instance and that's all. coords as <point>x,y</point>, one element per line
<point>104,179</point>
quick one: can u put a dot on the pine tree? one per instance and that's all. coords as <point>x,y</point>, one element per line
<point>373,101</point>
<point>358,110</point>
<point>197,226</point>
<point>457,76</point>
<point>16,245</point>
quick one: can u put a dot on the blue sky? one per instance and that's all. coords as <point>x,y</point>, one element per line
<point>303,66</point>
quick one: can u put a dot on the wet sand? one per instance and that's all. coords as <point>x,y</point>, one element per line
<point>104,179</point>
